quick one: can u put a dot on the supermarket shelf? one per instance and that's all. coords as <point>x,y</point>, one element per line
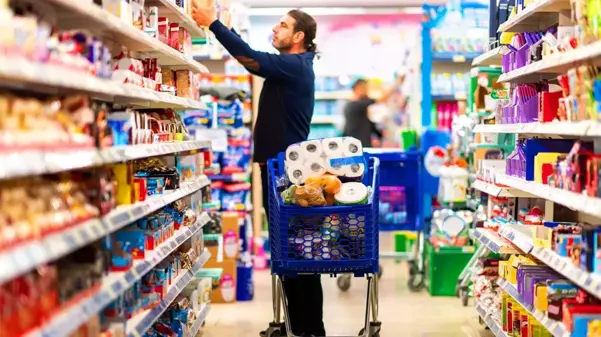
<point>493,241</point>
<point>492,57</point>
<point>455,97</point>
<point>574,201</point>
<point>139,324</point>
<point>554,327</point>
<point>494,326</point>
<point>26,257</point>
<point>325,119</point>
<point>76,14</point>
<point>48,78</point>
<point>116,283</point>
<point>175,13</point>
<point>589,282</point>
<point>554,64</point>
<point>201,316</point>
<point>498,191</point>
<point>454,57</point>
<point>333,95</point>
<point>539,14</point>
<point>54,161</point>
<point>584,128</point>
<point>234,177</point>
<point>518,236</point>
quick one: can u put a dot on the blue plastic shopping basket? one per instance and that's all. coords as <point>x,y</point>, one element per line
<point>324,240</point>
<point>400,171</point>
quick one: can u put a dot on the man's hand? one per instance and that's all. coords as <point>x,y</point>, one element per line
<point>204,12</point>
<point>400,79</point>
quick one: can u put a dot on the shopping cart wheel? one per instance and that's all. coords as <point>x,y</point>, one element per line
<point>274,330</point>
<point>416,278</point>
<point>344,282</point>
<point>374,329</point>
<point>464,295</point>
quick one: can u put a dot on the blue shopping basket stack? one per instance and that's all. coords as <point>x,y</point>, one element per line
<point>324,240</point>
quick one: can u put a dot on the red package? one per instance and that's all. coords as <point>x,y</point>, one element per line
<point>164,30</point>
<point>174,35</point>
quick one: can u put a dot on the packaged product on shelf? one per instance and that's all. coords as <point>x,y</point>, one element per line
<point>225,291</point>
<point>234,196</point>
<point>236,159</point>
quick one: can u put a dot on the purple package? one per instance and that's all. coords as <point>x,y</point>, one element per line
<point>523,269</point>
<point>532,280</point>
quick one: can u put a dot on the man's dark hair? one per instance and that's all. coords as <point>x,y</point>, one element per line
<point>359,82</point>
<point>306,24</point>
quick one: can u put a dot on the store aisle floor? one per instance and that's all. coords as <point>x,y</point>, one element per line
<point>403,313</point>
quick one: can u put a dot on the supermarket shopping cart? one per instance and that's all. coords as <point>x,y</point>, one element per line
<point>323,240</point>
<point>400,207</point>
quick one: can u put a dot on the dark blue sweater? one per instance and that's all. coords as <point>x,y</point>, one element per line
<point>287,98</point>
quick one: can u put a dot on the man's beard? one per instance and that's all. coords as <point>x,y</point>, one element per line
<point>284,47</point>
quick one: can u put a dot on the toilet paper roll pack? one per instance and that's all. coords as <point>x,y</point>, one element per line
<point>341,156</point>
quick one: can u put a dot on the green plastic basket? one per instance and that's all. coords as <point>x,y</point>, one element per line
<point>443,267</point>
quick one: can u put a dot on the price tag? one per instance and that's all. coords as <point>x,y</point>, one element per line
<point>141,268</point>
<point>458,58</point>
<point>130,277</point>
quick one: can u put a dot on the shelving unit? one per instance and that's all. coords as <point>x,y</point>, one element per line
<point>115,284</point>
<point>493,325</point>
<point>79,14</point>
<point>493,241</point>
<point>55,161</point>
<point>518,239</point>
<point>556,328</point>
<point>200,319</point>
<point>23,258</point>
<point>137,326</point>
<point>499,191</point>
<point>26,257</point>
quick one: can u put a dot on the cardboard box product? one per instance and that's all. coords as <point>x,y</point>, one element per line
<point>231,232</point>
<point>224,290</point>
<point>183,83</point>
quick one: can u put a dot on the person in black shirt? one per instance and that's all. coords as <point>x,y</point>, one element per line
<point>284,118</point>
<point>356,112</point>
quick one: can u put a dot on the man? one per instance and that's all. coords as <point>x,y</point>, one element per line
<point>284,118</point>
<point>356,112</point>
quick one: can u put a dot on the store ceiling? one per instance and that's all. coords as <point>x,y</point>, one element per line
<point>341,3</point>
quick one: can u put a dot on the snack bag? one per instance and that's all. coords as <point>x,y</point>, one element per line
<point>330,184</point>
<point>309,195</point>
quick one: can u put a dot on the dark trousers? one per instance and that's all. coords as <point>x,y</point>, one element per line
<point>304,292</point>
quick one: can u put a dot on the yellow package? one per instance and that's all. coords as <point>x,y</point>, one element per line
<point>542,159</point>
<point>541,301</point>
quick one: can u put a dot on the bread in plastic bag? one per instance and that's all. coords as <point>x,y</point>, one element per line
<point>329,183</point>
<point>309,195</point>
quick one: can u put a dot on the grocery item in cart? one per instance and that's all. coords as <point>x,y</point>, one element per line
<point>342,157</point>
<point>352,193</point>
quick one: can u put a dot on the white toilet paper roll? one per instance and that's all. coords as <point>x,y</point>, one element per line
<point>335,170</point>
<point>316,167</point>
<point>312,149</point>
<point>332,147</point>
<point>354,170</point>
<point>294,155</point>
<point>352,147</point>
<point>297,174</point>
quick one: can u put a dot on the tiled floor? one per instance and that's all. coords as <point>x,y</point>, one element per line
<point>403,314</point>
